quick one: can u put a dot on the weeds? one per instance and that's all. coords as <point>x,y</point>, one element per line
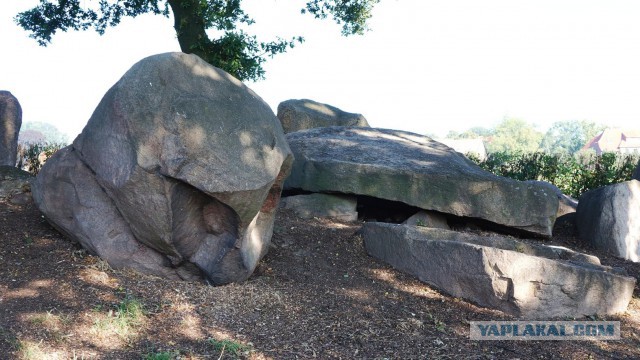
<point>124,320</point>
<point>28,240</point>
<point>165,355</point>
<point>29,350</point>
<point>437,323</point>
<point>53,324</point>
<point>231,347</point>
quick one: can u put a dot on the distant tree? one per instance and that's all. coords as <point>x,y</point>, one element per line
<point>41,132</point>
<point>452,134</point>
<point>431,135</point>
<point>233,50</point>
<point>514,135</point>
<point>569,136</point>
<point>473,133</point>
<point>29,136</point>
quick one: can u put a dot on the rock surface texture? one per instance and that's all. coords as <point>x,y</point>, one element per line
<point>533,282</point>
<point>10,123</point>
<point>418,171</point>
<point>428,219</point>
<point>304,114</point>
<point>338,207</point>
<point>609,218</point>
<point>566,204</point>
<point>178,173</point>
<point>14,181</point>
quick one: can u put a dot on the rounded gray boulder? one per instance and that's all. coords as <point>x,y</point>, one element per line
<point>185,162</point>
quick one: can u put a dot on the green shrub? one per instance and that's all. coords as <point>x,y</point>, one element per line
<point>573,174</point>
<point>32,156</point>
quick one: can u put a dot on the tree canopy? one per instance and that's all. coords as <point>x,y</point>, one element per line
<point>569,136</point>
<point>473,133</point>
<point>39,132</point>
<point>233,50</point>
<point>510,135</point>
<point>515,135</point>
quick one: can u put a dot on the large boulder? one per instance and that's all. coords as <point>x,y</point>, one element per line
<point>609,219</point>
<point>529,281</point>
<point>67,192</point>
<point>418,171</point>
<point>178,173</point>
<point>304,114</point>
<point>10,122</point>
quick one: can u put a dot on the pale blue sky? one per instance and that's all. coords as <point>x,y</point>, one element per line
<point>427,66</point>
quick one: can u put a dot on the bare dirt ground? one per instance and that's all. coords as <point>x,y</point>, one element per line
<point>317,294</point>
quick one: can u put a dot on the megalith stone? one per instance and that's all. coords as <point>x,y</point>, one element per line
<point>304,114</point>
<point>533,282</point>
<point>10,122</point>
<point>609,219</point>
<point>337,207</point>
<point>185,162</point>
<point>418,171</point>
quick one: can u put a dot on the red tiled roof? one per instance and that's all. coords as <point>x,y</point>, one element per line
<point>610,140</point>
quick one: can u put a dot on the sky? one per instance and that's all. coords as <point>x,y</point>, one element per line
<point>426,66</point>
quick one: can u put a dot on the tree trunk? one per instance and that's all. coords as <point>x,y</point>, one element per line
<point>232,52</point>
<point>190,27</point>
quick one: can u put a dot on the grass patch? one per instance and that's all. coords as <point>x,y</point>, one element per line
<point>49,319</point>
<point>29,350</point>
<point>123,321</point>
<point>53,324</point>
<point>165,355</point>
<point>230,347</point>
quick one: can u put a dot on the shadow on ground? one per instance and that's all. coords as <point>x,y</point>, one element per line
<point>316,294</point>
